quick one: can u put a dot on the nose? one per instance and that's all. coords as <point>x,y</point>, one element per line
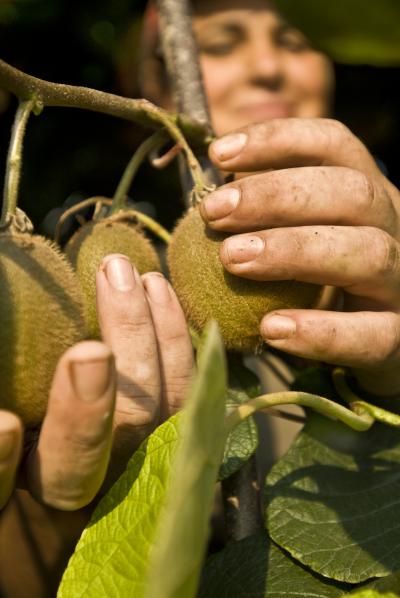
<point>265,64</point>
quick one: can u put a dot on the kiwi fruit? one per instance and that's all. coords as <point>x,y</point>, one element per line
<point>207,291</point>
<point>41,315</point>
<point>96,239</point>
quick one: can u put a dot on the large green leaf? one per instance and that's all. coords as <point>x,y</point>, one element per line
<point>256,568</point>
<point>181,543</point>
<point>333,501</point>
<point>112,556</point>
<point>349,31</point>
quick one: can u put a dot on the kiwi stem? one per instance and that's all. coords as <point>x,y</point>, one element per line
<point>152,225</point>
<point>344,390</point>
<point>360,421</point>
<point>147,221</point>
<point>45,93</point>
<point>14,161</point>
<point>154,142</point>
<point>103,201</point>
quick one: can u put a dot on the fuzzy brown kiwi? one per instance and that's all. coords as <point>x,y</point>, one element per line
<point>41,315</point>
<point>207,291</point>
<point>96,239</point>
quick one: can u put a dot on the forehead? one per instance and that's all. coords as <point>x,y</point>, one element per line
<point>217,13</point>
<point>209,7</point>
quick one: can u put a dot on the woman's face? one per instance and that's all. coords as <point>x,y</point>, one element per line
<point>256,67</point>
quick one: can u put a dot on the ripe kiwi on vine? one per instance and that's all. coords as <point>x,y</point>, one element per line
<point>119,233</point>
<point>207,291</point>
<point>120,230</point>
<point>41,316</point>
<point>41,312</point>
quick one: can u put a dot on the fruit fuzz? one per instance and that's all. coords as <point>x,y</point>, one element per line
<point>96,239</point>
<point>207,291</point>
<point>41,316</point>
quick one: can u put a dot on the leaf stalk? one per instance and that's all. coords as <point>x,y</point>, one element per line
<point>359,422</point>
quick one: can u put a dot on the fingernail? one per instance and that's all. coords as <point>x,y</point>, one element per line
<point>91,378</point>
<point>120,273</point>
<point>229,146</point>
<point>7,442</point>
<point>243,248</point>
<point>221,203</point>
<point>157,288</point>
<point>278,327</point>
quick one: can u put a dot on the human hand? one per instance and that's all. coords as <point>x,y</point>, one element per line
<point>323,213</point>
<point>106,397</point>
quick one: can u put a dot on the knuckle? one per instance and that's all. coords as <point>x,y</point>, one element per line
<point>365,189</point>
<point>58,500</point>
<point>388,262</point>
<point>129,327</point>
<point>336,128</point>
<point>271,130</point>
<point>391,348</point>
<point>86,443</point>
<point>336,133</point>
<point>136,420</point>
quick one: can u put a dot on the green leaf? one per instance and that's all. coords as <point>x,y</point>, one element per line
<point>372,594</point>
<point>386,586</point>
<point>243,440</point>
<point>349,31</point>
<point>179,551</point>
<point>256,568</point>
<point>333,500</point>
<point>112,556</point>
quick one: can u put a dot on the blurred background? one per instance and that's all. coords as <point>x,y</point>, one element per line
<point>71,154</point>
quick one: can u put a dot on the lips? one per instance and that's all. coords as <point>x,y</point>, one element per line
<point>266,110</point>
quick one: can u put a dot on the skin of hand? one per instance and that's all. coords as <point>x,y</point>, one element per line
<point>106,397</point>
<point>318,210</point>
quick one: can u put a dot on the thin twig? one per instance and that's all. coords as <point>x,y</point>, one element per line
<point>77,208</point>
<point>151,143</point>
<point>14,161</point>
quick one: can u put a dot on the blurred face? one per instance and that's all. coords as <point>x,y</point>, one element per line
<point>256,67</point>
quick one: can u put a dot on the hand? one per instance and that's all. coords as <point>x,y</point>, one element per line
<point>104,394</point>
<point>10,453</point>
<point>322,213</point>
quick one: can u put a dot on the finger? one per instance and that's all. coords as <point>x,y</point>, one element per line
<point>174,344</point>
<point>291,142</point>
<point>10,453</point>
<point>360,340</point>
<point>69,464</point>
<point>127,328</point>
<point>298,197</point>
<point>362,260</point>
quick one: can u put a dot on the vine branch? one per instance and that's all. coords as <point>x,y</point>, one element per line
<point>141,111</point>
<point>183,67</point>
<point>45,93</point>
